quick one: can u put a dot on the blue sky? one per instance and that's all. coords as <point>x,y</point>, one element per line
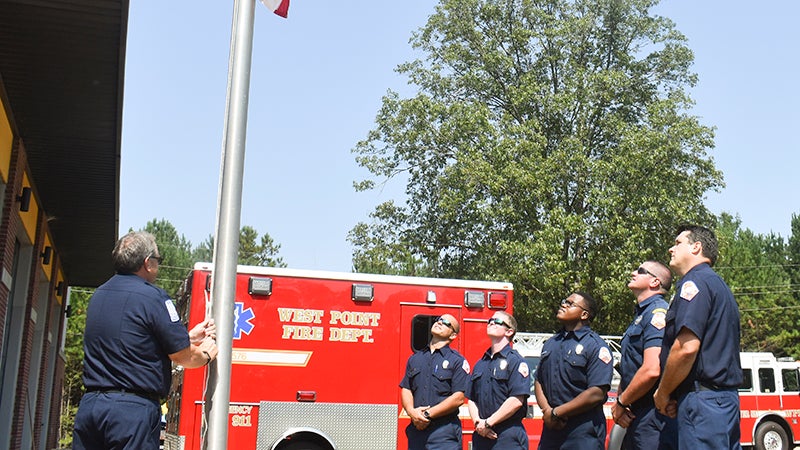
<point>316,84</point>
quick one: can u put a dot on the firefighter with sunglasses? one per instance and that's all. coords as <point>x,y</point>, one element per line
<point>433,389</point>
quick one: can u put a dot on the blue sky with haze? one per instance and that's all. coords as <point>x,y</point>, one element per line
<point>316,85</point>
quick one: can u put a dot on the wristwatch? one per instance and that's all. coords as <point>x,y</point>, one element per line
<point>426,414</point>
<point>623,404</point>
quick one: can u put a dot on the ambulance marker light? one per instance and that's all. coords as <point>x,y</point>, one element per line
<point>473,299</point>
<point>498,300</point>
<point>363,292</point>
<point>431,297</point>
<point>259,286</point>
<point>306,396</point>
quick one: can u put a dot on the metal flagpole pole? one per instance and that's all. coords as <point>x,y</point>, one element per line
<point>226,243</point>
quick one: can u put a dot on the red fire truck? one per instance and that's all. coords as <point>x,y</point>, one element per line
<point>318,356</point>
<point>770,402</point>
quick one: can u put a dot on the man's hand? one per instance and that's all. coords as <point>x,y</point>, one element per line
<point>622,416</point>
<point>481,429</point>
<point>204,329</point>
<point>665,405</point>
<point>419,420</point>
<point>554,423</point>
<point>209,348</point>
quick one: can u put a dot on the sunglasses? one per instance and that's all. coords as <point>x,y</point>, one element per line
<point>160,259</point>
<point>642,271</point>
<point>446,323</point>
<point>569,304</point>
<point>497,321</point>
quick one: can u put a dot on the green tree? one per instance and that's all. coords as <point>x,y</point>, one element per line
<point>549,145</point>
<point>754,266</point>
<point>252,251</point>
<point>72,387</point>
<point>177,253</point>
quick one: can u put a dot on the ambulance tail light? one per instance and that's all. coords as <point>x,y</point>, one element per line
<point>307,396</point>
<point>498,300</point>
<point>362,292</point>
<point>473,299</point>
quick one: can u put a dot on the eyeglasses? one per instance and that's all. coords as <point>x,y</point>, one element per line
<point>642,271</point>
<point>446,323</point>
<point>569,304</point>
<point>160,259</point>
<point>497,321</point>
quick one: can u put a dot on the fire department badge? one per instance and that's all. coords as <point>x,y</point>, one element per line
<point>523,369</point>
<point>689,290</point>
<point>659,319</point>
<point>605,355</point>
<point>445,364</point>
<point>638,319</point>
<point>465,366</point>
<point>503,364</point>
<point>579,349</point>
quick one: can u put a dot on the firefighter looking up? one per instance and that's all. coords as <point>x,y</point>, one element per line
<point>499,390</point>
<point>133,334</point>
<point>433,389</point>
<point>700,351</point>
<point>572,379</point>
<point>640,366</point>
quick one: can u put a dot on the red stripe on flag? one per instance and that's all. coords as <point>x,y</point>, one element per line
<point>279,7</point>
<point>283,9</point>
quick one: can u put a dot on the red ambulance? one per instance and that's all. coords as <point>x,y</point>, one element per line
<point>318,356</point>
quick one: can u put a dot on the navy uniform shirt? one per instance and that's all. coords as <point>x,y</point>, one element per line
<point>572,362</point>
<point>646,331</point>
<point>496,378</point>
<point>434,376</point>
<point>704,304</point>
<point>131,329</point>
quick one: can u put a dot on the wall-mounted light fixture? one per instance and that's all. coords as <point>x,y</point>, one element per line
<point>60,289</point>
<point>24,199</point>
<point>46,255</point>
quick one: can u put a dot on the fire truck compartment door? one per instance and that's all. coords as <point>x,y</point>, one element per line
<point>348,425</point>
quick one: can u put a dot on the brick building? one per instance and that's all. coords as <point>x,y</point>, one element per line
<point>61,84</point>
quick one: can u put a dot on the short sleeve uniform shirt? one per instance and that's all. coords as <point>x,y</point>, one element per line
<point>132,327</point>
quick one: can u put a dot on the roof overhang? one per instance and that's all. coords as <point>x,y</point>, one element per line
<point>62,72</point>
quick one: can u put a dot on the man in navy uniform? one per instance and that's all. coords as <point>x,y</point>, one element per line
<point>133,334</point>
<point>573,378</point>
<point>700,351</point>
<point>499,389</point>
<point>433,389</point>
<point>640,366</point>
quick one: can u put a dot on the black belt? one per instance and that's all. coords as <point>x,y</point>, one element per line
<point>147,395</point>
<point>705,386</point>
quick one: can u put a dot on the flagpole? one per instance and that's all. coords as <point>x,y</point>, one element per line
<point>229,206</point>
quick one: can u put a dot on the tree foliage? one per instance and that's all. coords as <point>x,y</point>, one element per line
<point>755,268</point>
<point>549,144</point>
<point>72,388</point>
<point>251,251</point>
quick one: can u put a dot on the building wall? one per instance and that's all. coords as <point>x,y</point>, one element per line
<point>31,313</point>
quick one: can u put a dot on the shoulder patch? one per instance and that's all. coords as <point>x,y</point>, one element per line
<point>173,313</point>
<point>689,290</point>
<point>659,319</point>
<point>465,366</point>
<point>605,355</point>
<point>523,369</point>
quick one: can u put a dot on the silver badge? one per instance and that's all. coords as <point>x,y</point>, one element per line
<point>578,349</point>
